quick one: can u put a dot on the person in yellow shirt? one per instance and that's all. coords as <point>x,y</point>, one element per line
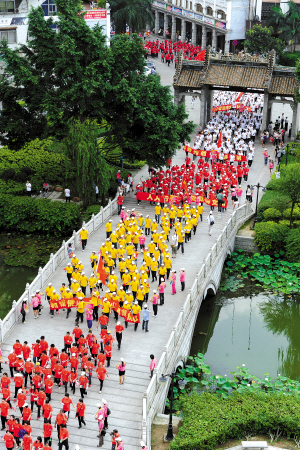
<point>68,296</point>
<point>129,297</point>
<point>106,307</point>
<point>69,271</point>
<point>74,261</point>
<point>108,229</point>
<point>200,211</point>
<point>147,225</point>
<point>135,240</point>
<point>126,280</point>
<point>134,286</point>
<point>146,288</point>
<point>48,291</point>
<point>140,296</point>
<point>179,214</point>
<point>93,259</point>
<point>92,282</point>
<point>156,254</point>
<point>79,266</point>
<point>148,260</point>
<point>162,273</point>
<point>168,265</point>
<point>74,287</point>
<point>166,229</point>
<point>112,286</point>
<point>122,267</point>
<point>94,301</point>
<point>181,241</point>
<point>84,235</point>
<point>110,263</point>
<point>151,247</point>
<point>121,295</point>
<point>172,216</point>
<point>113,254</point>
<point>62,291</point>
<point>80,307</point>
<point>136,312</point>
<point>155,237</point>
<point>55,298</point>
<point>157,212</point>
<point>153,267</point>
<point>114,239</point>
<point>121,252</point>
<point>126,306</point>
<point>154,226</point>
<point>83,282</point>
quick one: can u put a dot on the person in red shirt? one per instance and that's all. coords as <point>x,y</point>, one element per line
<point>26,350</point>
<point>27,441</point>
<point>89,370</point>
<point>61,420</point>
<point>53,351</point>
<point>33,396</point>
<point>64,438</point>
<point>67,402</point>
<point>36,350</point>
<point>57,373</point>
<point>5,381</point>
<point>27,427</point>
<point>10,424</point>
<point>28,370</point>
<point>48,429</point>
<point>41,402</point>
<point>95,350</point>
<point>54,360</point>
<point>64,358</point>
<point>101,372</point>
<point>118,333</point>
<point>18,347</point>
<point>37,381</point>
<point>26,414</point>
<point>48,387</point>
<point>108,350</point>
<point>101,358</point>
<point>77,332</point>
<point>12,359</point>
<point>21,399</point>
<point>68,342</point>
<point>103,320</point>
<point>74,361</point>
<point>80,412</point>
<point>43,344</point>
<point>18,384</point>
<point>38,444</point>
<point>44,358</point>
<point>20,365</point>
<point>6,395</point>
<point>83,382</point>
<point>9,440</point>
<point>65,378</point>
<point>74,349</point>
<point>73,378</point>
<point>17,428</point>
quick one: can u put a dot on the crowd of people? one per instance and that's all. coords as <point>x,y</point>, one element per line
<point>169,50</point>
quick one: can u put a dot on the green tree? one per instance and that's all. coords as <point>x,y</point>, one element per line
<point>73,75</point>
<point>260,40</point>
<point>83,153</point>
<point>288,24</point>
<point>136,14</point>
<point>289,184</point>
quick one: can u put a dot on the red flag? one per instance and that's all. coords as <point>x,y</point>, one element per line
<point>219,140</point>
<point>200,56</point>
<point>184,185</point>
<point>101,270</point>
<point>239,97</point>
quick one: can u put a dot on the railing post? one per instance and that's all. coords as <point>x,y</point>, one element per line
<point>75,239</point>
<point>110,207</point>
<point>28,292</point>
<point>52,262</point>
<point>64,245</point>
<point>14,306</point>
<point>93,219</point>
<point>1,330</point>
<point>42,276</point>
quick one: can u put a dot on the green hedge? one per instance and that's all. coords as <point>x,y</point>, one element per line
<point>270,236</point>
<point>209,421</point>
<point>272,199</point>
<point>29,215</point>
<point>293,245</point>
<point>289,58</point>
<point>272,214</point>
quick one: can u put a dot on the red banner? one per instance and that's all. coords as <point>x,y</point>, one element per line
<point>73,303</point>
<point>206,154</point>
<point>172,198</point>
<point>221,108</point>
<point>242,107</point>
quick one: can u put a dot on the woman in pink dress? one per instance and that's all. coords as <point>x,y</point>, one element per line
<point>173,282</point>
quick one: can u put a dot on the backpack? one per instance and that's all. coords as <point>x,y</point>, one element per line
<point>22,433</point>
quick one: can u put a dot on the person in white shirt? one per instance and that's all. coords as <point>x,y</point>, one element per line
<point>67,194</point>
<point>210,221</point>
<point>28,188</point>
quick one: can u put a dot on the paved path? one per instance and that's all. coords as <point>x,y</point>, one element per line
<point>125,401</point>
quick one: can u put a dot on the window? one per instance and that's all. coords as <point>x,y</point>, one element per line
<point>199,8</point>
<point>49,7</point>
<point>7,6</point>
<point>9,35</point>
<point>191,5</point>
<point>209,11</point>
<point>186,4</point>
<point>221,15</point>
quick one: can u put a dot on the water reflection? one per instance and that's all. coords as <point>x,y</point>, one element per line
<point>259,330</point>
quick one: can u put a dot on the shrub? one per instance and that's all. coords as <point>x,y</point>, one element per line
<point>289,58</point>
<point>209,420</point>
<point>296,213</point>
<point>293,245</point>
<point>92,209</point>
<point>8,174</point>
<point>273,183</point>
<point>29,215</point>
<point>272,214</point>
<point>272,199</point>
<point>270,235</point>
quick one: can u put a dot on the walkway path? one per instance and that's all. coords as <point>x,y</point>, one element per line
<point>125,401</point>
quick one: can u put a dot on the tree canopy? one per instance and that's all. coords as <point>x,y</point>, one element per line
<point>287,24</point>
<point>59,77</point>
<point>136,14</point>
<point>260,40</point>
<point>289,184</point>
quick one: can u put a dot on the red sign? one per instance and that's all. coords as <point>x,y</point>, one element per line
<point>206,154</point>
<point>221,108</point>
<point>95,15</point>
<point>174,198</point>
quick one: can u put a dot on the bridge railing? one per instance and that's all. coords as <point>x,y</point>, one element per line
<point>156,391</point>
<point>54,262</point>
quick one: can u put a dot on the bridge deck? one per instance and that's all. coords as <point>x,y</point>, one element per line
<point>125,401</point>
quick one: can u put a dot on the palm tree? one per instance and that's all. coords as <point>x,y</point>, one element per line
<point>288,24</point>
<point>136,14</point>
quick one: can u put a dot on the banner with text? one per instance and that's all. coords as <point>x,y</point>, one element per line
<point>206,154</point>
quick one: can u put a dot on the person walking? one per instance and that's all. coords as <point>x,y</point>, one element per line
<point>121,368</point>
<point>102,432</point>
<point>220,201</point>
<point>266,156</point>
<point>210,221</point>
<point>182,279</point>
<point>154,301</point>
<point>28,188</point>
<point>118,333</point>
<point>271,166</point>
<point>173,281</point>
<point>153,363</point>
<point>80,412</point>
<point>84,235</point>
<point>161,291</point>
<point>146,318</point>
<point>67,195</point>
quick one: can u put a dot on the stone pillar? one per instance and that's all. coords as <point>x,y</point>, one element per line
<point>214,39</point>
<point>203,42</point>
<point>227,43</point>
<point>173,36</point>
<point>208,104</point>
<point>203,105</point>
<point>294,121</point>
<point>156,22</point>
<point>183,30</point>
<point>264,123</point>
<point>194,33</point>
<point>166,22</point>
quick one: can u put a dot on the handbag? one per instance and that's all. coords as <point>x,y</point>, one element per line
<point>108,412</point>
<point>76,415</point>
<point>212,222</point>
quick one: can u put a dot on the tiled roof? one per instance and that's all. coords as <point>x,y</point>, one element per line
<point>284,85</point>
<point>236,75</point>
<point>189,78</point>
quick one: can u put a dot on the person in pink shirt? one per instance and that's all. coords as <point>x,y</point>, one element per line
<point>161,290</point>
<point>120,444</point>
<point>144,446</point>
<point>99,417</point>
<point>39,296</point>
<point>182,279</point>
<point>153,363</point>
<point>121,368</point>
<point>35,305</point>
<point>142,240</point>
<point>89,317</point>
<point>173,282</point>
<point>154,301</point>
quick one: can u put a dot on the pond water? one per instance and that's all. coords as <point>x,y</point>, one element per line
<point>12,285</point>
<point>261,331</point>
